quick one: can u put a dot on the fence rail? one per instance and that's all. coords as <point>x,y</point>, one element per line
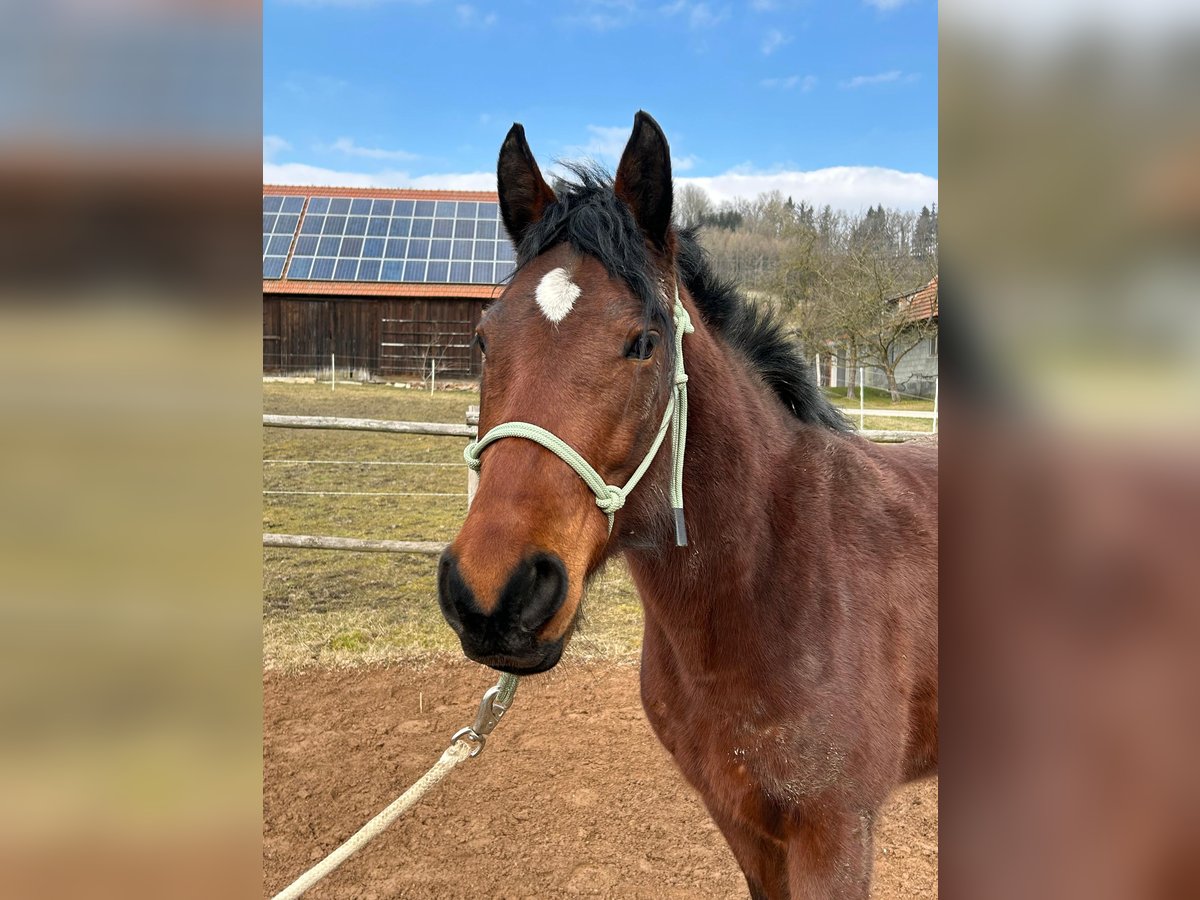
<point>895,437</point>
<point>320,542</point>
<point>467,430</point>
<point>333,423</point>
<point>383,426</point>
<point>889,413</point>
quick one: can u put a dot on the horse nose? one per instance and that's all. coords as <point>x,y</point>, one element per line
<point>506,625</point>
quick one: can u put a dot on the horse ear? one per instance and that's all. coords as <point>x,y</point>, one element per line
<point>524,194</point>
<point>644,178</point>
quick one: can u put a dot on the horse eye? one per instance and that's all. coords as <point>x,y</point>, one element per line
<point>481,343</point>
<point>642,345</point>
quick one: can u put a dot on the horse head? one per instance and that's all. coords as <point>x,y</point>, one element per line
<point>579,348</point>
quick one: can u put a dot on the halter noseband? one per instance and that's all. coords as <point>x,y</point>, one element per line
<point>609,497</point>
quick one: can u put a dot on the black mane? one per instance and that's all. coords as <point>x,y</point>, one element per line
<point>594,221</point>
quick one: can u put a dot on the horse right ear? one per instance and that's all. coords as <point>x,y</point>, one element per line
<point>524,194</point>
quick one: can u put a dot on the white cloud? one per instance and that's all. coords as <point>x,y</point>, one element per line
<point>702,16</point>
<point>843,187</point>
<point>603,15</point>
<point>273,145</point>
<point>597,21</point>
<point>605,144</point>
<point>851,188</point>
<point>699,15</point>
<point>347,146</point>
<point>888,77</point>
<point>304,174</point>
<point>773,40</point>
<point>455,181</point>
<point>806,83</point>
<point>470,16</point>
<point>885,5</point>
<point>351,4</point>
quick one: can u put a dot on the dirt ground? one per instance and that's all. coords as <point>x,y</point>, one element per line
<point>573,796</point>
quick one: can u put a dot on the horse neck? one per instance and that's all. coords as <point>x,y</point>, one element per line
<point>738,436</point>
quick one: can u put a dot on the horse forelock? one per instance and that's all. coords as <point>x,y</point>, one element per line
<point>595,222</point>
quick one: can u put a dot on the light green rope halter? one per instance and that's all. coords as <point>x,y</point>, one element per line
<point>609,497</point>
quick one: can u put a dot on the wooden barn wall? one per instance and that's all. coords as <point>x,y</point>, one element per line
<point>300,334</point>
<point>272,339</point>
<point>444,324</point>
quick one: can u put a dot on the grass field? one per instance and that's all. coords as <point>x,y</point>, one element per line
<point>336,608</point>
<point>880,399</point>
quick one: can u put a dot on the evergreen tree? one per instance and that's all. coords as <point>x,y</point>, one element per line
<point>925,237</point>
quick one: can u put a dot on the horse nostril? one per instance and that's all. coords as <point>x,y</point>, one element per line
<point>546,581</point>
<point>453,592</point>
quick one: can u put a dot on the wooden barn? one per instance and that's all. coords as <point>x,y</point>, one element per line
<point>380,283</point>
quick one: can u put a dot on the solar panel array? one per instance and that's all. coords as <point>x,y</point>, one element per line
<point>376,240</point>
<point>281,215</point>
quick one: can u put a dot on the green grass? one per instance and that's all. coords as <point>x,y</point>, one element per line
<point>876,398</point>
<point>332,608</point>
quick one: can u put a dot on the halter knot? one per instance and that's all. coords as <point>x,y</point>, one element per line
<point>613,499</point>
<point>682,320</point>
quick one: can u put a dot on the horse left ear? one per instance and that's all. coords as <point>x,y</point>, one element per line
<point>644,178</point>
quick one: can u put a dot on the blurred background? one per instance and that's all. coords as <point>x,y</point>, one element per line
<point>1070,622</point>
<point>130,156</point>
<point>130,704</point>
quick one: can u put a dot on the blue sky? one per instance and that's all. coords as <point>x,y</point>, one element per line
<point>825,100</point>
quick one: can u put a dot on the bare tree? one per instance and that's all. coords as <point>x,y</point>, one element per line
<point>692,206</point>
<point>887,328</point>
<point>841,281</point>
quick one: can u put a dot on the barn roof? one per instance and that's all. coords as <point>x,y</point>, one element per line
<point>298,287</point>
<point>383,242</point>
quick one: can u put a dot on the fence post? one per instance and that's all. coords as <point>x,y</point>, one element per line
<point>333,371</point>
<point>432,375</point>
<point>936,382</point>
<point>861,405</point>
<point>472,475</point>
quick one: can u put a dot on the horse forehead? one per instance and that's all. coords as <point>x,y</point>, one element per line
<point>562,283</point>
<point>556,294</point>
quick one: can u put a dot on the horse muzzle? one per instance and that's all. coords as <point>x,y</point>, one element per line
<point>503,632</point>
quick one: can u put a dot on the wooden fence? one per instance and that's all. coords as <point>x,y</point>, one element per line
<point>439,429</point>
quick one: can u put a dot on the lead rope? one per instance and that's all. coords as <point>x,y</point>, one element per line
<point>611,498</point>
<point>467,742</point>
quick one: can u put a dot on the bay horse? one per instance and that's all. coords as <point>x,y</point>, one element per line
<point>789,661</point>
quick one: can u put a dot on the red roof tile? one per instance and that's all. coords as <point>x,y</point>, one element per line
<point>923,303</point>
<point>380,289</point>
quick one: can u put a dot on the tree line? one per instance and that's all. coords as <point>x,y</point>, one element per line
<point>836,277</point>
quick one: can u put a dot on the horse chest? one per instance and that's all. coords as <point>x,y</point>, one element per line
<point>748,763</point>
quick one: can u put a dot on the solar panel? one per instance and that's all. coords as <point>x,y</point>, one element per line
<point>281,215</point>
<point>365,239</point>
